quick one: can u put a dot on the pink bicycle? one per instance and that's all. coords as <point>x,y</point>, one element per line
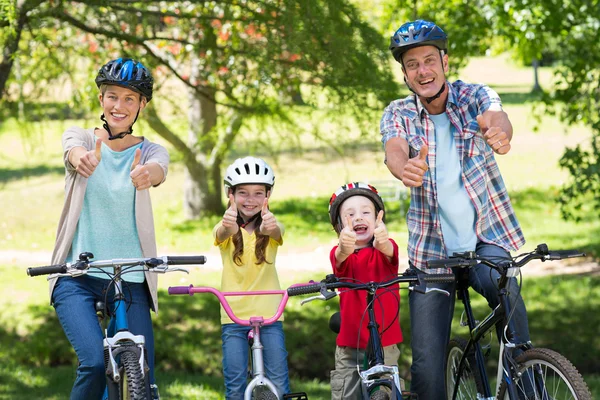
<point>260,387</point>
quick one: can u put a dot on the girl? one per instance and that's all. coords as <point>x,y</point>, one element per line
<point>248,238</point>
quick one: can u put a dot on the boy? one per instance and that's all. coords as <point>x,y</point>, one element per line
<point>364,253</point>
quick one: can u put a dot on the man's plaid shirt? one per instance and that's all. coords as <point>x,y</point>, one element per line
<point>496,222</point>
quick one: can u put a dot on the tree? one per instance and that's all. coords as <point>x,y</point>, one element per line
<point>238,60</point>
<point>535,27</point>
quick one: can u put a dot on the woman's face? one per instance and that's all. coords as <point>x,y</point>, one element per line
<point>120,106</point>
<point>249,199</point>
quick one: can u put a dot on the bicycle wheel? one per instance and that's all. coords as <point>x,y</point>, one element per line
<point>380,392</point>
<point>263,393</point>
<point>132,385</point>
<point>545,374</point>
<point>469,386</point>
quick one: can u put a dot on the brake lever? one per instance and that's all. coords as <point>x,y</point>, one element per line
<point>419,289</point>
<point>164,268</point>
<point>324,295</point>
<point>309,299</point>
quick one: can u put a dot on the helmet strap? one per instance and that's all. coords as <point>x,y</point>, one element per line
<point>122,134</point>
<point>242,224</point>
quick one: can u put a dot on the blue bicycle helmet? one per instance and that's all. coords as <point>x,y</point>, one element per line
<point>127,73</point>
<point>415,34</point>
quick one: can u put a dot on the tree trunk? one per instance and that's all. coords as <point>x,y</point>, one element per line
<point>536,83</point>
<point>10,49</point>
<point>202,193</point>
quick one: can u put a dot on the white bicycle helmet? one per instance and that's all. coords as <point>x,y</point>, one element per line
<point>347,191</point>
<point>249,170</point>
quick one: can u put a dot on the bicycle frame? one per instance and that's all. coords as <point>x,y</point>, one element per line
<point>258,371</point>
<point>508,342</point>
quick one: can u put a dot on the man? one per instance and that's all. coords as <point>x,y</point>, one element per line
<point>441,141</point>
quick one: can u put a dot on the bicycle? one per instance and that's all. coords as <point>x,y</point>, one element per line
<point>260,387</point>
<point>378,381</point>
<point>124,353</point>
<point>536,373</point>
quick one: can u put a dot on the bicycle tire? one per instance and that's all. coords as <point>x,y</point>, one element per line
<point>470,385</point>
<point>559,377</point>
<point>133,385</point>
<point>380,394</point>
<point>263,393</point>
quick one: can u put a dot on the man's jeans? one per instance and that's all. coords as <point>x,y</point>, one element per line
<point>74,300</point>
<point>431,317</point>
<point>235,358</point>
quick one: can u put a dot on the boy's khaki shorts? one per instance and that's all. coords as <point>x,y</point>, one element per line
<point>345,381</point>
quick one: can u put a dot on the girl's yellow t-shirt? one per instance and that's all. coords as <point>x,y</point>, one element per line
<point>249,277</point>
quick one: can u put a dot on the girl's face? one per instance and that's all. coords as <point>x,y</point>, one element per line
<point>361,211</point>
<point>249,199</point>
<point>120,106</point>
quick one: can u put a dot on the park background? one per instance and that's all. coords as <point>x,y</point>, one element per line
<point>303,85</point>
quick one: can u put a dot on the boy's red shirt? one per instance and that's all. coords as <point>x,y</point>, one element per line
<point>365,265</point>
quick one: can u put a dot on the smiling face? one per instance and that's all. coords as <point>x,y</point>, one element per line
<point>361,211</point>
<point>425,70</point>
<point>249,199</point>
<point>120,106</point>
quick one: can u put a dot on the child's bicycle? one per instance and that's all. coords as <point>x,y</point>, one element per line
<point>378,381</point>
<point>125,357</point>
<point>260,387</point>
<point>536,373</point>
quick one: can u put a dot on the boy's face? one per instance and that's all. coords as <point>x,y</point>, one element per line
<point>361,212</point>
<point>249,199</point>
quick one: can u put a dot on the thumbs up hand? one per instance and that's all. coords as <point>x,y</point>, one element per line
<point>140,174</point>
<point>415,169</point>
<point>230,217</point>
<point>495,137</point>
<point>269,223</point>
<point>347,239</point>
<point>381,237</point>
<point>89,160</point>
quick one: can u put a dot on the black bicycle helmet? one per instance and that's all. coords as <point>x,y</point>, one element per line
<point>415,34</point>
<point>127,73</point>
<point>346,191</point>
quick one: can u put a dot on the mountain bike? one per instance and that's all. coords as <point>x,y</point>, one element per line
<point>125,357</point>
<point>524,372</point>
<point>378,381</point>
<point>260,387</point>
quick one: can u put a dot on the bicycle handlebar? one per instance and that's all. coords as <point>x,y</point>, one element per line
<point>470,258</point>
<point>79,267</point>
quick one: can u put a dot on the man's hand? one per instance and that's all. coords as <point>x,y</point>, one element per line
<point>269,224</point>
<point>415,169</point>
<point>347,239</point>
<point>89,160</point>
<point>230,218</point>
<point>140,174</point>
<point>495,137</point>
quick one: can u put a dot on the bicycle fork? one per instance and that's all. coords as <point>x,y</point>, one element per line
<point>258,366</point>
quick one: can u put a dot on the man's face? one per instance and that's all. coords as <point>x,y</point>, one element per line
<point>425,70</point>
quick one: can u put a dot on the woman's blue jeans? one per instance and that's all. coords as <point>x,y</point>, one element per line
<point>235,358</point>
<point>74,300</point>
<point>431,317</point>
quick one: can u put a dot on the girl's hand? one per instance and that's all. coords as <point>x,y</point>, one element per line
<point>347,239</point>
<point>381,237</point>
<point>230,217</point>
<point>269,223</point>
<point>140,174</point>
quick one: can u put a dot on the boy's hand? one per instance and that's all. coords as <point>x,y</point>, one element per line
<point>347,240</point>
<point>415,168</point>
<point>89,160</point>
<point>140,175</point>
<point>230,218</point>
<point>269,223</point>
<point>381,237</point>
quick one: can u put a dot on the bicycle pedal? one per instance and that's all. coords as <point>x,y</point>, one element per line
<point>295,396</point>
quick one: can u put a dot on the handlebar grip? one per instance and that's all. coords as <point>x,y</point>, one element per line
<point>439,278</point>
<point>560,254</point>
<point>179,289</point>
<point>50,269</point>
<point>186,260</point>
<point>306,289</point>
